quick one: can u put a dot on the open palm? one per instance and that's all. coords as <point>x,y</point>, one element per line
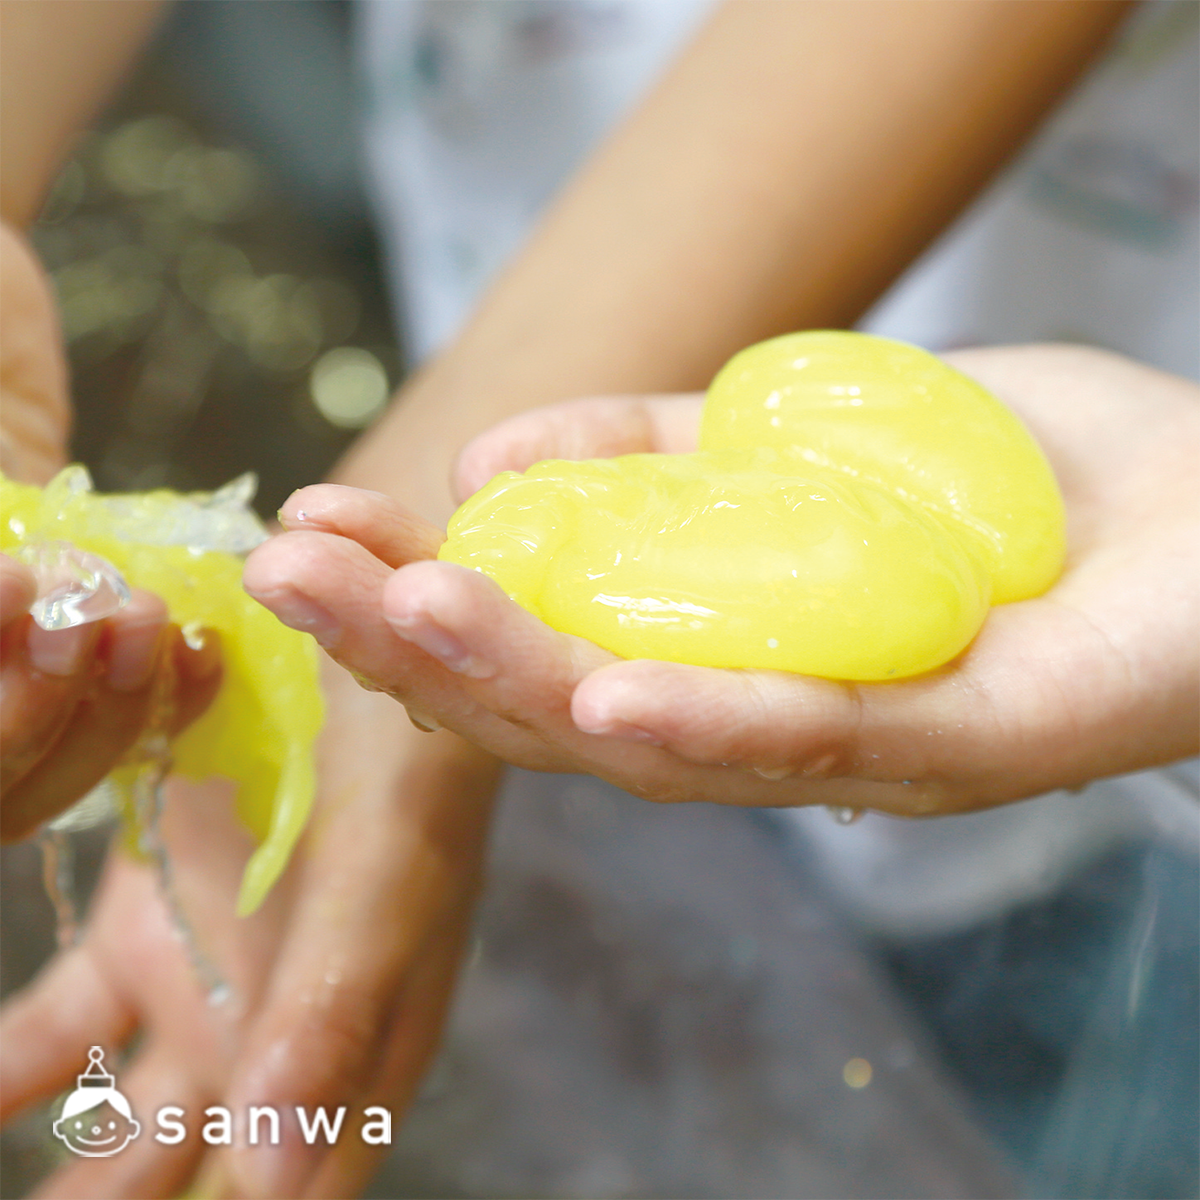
<point>1094,678</point>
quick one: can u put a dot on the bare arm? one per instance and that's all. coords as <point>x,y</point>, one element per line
<point>58,63</point>
<point>783,174</point>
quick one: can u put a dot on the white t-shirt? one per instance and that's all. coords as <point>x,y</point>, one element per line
<point>1092,234</point>
<point>480,110</point>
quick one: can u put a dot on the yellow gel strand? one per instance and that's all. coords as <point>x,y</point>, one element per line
<point>260,730</point>
<point>854,509</point>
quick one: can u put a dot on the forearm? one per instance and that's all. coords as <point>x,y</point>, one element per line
<point>785,172</point>
<point>59,60</point>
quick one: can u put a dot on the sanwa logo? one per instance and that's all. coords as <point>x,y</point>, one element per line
<point>96,1120</point>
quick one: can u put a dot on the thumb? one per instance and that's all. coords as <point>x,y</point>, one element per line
<point>598,427</point>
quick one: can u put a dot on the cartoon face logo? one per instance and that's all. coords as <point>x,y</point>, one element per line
<point>96,1119</point>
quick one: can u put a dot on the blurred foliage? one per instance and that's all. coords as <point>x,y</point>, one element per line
<point>212,328</point>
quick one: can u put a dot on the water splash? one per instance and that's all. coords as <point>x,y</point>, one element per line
<point>76,587</point>
<point>148,804</point>
<point>58,878</point>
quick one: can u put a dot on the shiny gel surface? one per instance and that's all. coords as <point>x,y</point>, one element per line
<point>855,507</point>
<point>259,731</point>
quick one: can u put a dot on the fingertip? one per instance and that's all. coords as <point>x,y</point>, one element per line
<point>134,651</point>
<point>267,566</point>
<point>198,672</point>
<point>289,563</point>
<point>296,509</point>
<point>375,521</point>
<point>62,652</point>
<point>614,697</point>
<point>513,445</point>
<point>470,471</point>
<point>311,507</point>
<point>426,589</point>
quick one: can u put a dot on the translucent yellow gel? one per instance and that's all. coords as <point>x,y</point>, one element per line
<point>259,732</point>
<point>855,506</point>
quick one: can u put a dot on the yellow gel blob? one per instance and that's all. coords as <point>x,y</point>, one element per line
<point>855,506</point>
<point>260,729</point>
<point>896,415</point>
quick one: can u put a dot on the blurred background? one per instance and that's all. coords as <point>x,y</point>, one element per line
<point>213,255</point>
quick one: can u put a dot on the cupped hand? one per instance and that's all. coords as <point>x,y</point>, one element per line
<point>1097,677</point>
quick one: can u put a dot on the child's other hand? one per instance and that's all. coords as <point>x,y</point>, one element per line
<point>73,701</point>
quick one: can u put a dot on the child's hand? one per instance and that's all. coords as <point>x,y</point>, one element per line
<point>1097,677</point>
<point>339,982</point>
<point>72,702</point>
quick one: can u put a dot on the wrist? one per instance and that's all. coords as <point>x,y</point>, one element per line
<point>370,749</point>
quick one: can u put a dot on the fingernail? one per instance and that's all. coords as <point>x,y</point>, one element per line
<point>59,651</point>
<point>301,613</point>
<point>134,655</point>
<point>622,731</point>
<point>444,646</point>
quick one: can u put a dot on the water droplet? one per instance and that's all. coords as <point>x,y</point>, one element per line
<point>774,774</point>
<point>844,816</point>
<point>424,722</point>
